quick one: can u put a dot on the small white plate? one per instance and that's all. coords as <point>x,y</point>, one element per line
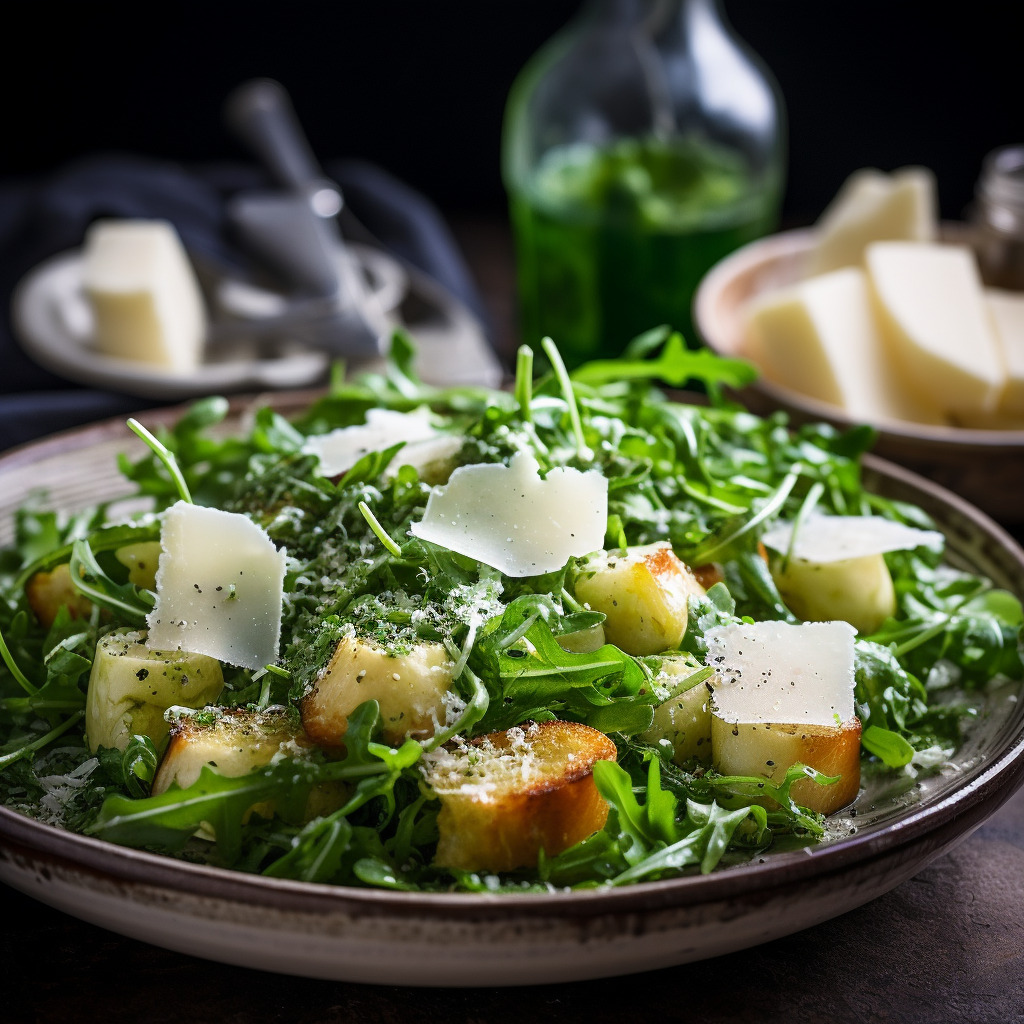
<point>53,322</point>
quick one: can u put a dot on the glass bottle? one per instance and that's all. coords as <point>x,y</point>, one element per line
<point>998,218</point>
<point>641,144</point>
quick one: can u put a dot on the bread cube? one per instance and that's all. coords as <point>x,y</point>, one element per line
<point>508,795</point>
<point>132,686</point>
<point>409,688</point>
<point>141,560</point>
<point>770,749</point>
<point>643,593</point>
<point>684,719</point>
<point>48,592</point>
<point>856,590</point>
<point>235,742</point>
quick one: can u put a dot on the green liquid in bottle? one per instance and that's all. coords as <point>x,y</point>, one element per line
<point>612,242</point>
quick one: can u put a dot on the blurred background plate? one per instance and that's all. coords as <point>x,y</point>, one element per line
<point>52,321</point>
<point>984,466</point>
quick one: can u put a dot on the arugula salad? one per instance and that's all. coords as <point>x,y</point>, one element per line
<point>585,631</point>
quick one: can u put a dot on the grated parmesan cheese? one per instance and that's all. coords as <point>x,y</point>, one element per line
<point>59,790</point>
<point>481,769</point>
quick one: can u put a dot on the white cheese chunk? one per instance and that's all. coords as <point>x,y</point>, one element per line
<point>785,673</point>
<point>339,450</point>
<point>931,310</point>
<point>219,587</point>
<point>872,206</point>
<point>819,337</point>
<point>823,539</point>
<point>509,518</point>
<point>1007,311</point>
<point>146,301</point>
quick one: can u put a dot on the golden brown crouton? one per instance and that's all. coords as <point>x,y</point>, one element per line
<point>48,592</point>
<point>508,795</point>
<point>234,742</point>
<point>408,687</point>
<point>770,749</point>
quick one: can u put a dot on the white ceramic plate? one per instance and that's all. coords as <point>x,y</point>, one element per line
<point>391,938</point>
<point>53,323</point>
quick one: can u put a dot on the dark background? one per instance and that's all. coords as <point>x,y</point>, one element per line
<point>419,88</point>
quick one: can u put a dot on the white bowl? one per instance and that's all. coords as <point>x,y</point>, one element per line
<point>984,466</point>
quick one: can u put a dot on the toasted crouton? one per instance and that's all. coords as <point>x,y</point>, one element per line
<point>234,742</point>
<point>408,687</point>
<point>48,592</point>
<point>708,574</point>
<point>508,795</point>
<point>644,595</point>
<point>770,748</point>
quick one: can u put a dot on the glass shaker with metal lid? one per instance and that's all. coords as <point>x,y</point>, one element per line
<point>998,218</point>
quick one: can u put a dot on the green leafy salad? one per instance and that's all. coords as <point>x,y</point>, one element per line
<point>581,632</point>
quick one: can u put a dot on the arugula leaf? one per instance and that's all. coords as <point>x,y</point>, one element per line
<point>222,804</point>
<point>649,839</point>
<point>131,602</point>
<point>536,678</point>
<point>675,365</point>
<point>167,821</point>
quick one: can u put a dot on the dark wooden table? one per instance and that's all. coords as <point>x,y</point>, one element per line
<point>943,948</point>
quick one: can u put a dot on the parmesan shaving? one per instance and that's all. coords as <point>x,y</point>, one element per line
<point>339,450</point>
<point>823,539</point>
<point>219,587</point>
<point>782,673</point>
<point>510,518</point>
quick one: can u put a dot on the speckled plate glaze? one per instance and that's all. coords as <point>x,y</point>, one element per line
<point>394,938</point>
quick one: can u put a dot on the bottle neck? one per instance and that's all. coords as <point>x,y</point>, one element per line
<point>650,16</point>
<point>1000,190</point>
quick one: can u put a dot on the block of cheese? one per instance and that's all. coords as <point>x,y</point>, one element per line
<point>872,206</point>
<point>1007,309</point>
<point>819,337</point>
<point>929,300</point>
<point>146,301</point>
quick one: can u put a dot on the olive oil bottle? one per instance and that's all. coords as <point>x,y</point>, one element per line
<point>640,146</point>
